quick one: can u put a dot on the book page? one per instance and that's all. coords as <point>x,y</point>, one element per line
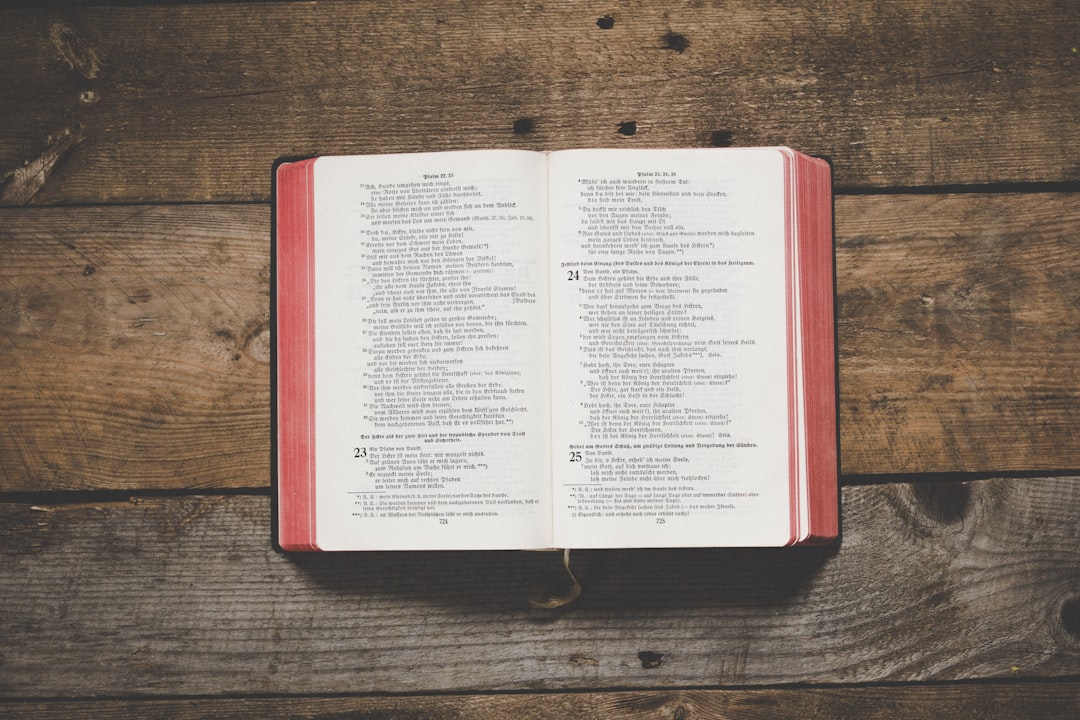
<point>432,413</point>
<point>669,348</point>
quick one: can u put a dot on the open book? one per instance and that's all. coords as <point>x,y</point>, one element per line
<point>501,349</point>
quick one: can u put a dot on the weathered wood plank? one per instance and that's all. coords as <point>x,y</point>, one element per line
<point>135,341</point>
<point>185,596</point>
<point>174,102</point>
<point>1016,701</point>
<point>135,347</point>
<point>959,332</point>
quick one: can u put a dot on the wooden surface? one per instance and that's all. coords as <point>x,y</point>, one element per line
<point>139,336</point>
<point>179,102</point>
<point>137,576</point>
<point>952,581</point>
<point>1047,701</point>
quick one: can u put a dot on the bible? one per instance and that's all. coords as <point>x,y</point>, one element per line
<point>504,349</point>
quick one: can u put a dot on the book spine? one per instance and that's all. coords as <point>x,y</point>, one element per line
<point>295,341</point>
<point>816,269</point>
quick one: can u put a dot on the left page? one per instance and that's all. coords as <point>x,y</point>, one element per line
<point>431,369</point>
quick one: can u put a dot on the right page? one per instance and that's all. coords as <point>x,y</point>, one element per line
<point>672,415</point>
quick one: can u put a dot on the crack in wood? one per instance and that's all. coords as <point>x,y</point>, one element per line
<point>27,181</point>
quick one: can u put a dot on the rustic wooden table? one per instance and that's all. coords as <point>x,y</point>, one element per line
<point>137,577</point>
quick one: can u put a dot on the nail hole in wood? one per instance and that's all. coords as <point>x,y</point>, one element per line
<point>524,126</point>
<point>675,41</point>
<point>650,660</point>
<point>721,138</point>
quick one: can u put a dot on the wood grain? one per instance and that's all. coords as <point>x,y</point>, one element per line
<point>135,354</point>
<point>135,347</point>
<point>1016,701</point>
<point>959,332</point>
<point>178,102</point>
<point>167,596</point>
<point>136,341</point>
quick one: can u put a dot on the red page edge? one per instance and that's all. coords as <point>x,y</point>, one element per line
<point>295,343</point>
<point>816,268</point>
